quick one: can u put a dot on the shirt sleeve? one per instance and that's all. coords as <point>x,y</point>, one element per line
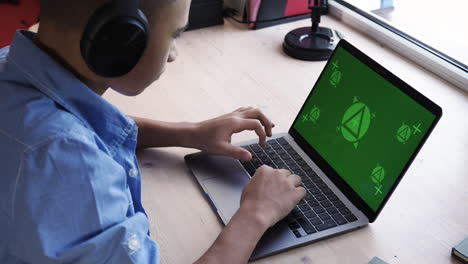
<point>72,205</point>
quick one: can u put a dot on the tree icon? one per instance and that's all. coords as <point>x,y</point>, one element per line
<point>377,176</point>
<point>355,122</point>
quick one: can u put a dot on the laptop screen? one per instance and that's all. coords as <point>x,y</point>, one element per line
<point>363,126</point>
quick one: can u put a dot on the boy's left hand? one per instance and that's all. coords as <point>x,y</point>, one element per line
<point>214,135</point>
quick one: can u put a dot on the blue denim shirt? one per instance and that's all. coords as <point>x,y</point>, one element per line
<point>70,184</point>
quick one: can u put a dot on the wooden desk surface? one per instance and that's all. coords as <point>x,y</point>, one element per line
<point>224,67</point>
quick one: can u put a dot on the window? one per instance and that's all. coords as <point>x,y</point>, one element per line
<point>438,27</point>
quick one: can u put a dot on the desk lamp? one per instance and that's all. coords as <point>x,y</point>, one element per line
<point>312,43</point>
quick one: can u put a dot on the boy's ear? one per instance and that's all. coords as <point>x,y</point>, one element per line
<point>115,38</point>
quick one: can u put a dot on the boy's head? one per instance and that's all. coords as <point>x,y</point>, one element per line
<point>62,24</point>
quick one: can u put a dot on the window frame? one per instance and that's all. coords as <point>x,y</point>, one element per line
<point>426,56</point>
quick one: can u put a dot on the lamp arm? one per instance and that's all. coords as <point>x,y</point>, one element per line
<point>315,13</point>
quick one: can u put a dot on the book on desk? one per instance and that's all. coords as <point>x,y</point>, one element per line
<point>460,251</point>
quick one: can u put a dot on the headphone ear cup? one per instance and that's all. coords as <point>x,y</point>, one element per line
<point>112,45</point>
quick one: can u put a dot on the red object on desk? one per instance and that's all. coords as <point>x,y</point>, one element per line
<point>295,7</point>
<point>14,17</point>
<point>258,10</point>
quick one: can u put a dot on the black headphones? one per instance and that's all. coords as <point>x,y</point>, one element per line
<point>115,38</point>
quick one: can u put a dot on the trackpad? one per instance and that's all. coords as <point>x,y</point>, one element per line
<point>225,190</point>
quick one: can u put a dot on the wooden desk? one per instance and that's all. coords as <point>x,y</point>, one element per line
<point>224,67</point>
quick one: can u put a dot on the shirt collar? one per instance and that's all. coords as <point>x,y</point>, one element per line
<point>52,79</point>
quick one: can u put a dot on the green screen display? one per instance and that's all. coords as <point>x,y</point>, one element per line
<point>363,126</point>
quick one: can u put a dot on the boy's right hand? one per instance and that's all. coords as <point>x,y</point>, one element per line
<point>271,194</point>
<point>267,198</point>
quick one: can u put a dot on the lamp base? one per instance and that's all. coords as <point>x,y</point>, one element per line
<point>302,44</point>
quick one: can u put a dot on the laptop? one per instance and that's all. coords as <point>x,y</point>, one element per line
<point>357,133</point>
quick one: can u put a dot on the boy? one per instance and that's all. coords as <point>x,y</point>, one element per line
<point>70,189</point>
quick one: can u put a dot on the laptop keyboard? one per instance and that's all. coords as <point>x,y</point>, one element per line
<point>320,209</point>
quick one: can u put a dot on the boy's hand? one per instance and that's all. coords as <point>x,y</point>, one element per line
<point>268,197</point>
<point>214,135</point>
<point>271,194</point>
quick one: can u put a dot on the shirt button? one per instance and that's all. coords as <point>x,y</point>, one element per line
<point>133,243</point>
<point>133,172</point>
